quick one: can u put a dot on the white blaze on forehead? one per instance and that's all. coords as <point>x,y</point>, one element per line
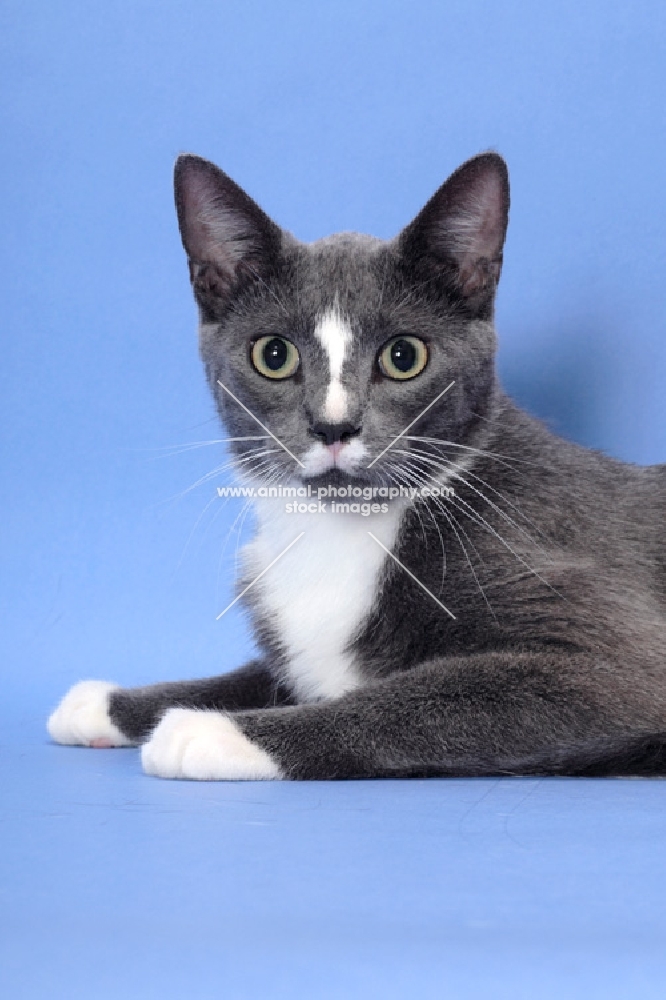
<point>334,334</point>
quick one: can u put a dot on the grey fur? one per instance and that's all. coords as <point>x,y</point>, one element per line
<point>555,555</point>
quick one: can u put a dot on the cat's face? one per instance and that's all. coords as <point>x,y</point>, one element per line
<point>336,347</point>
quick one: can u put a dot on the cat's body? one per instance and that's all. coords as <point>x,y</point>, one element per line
<point>516,624</point>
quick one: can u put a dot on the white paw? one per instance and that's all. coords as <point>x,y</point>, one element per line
<point>82,717</point>
<point>206,746</point>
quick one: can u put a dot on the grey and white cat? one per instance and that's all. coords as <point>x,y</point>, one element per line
<point>516,625</point>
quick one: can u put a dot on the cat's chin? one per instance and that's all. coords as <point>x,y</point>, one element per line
<point>338,478</point>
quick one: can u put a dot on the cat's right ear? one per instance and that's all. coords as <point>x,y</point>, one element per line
<point>227,237</point>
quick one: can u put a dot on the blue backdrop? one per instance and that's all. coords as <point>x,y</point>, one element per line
<point>333,115</point>
<point>341,115</point>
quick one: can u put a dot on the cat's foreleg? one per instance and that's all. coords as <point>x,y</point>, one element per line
<point>98,713</point>
<point>482,714</point>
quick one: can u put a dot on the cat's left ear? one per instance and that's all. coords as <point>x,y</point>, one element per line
<point>227,237</point>
<point>459,235</point>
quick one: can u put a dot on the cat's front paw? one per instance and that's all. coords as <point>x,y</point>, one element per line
<point>206,746</point>
<point>82,717</point>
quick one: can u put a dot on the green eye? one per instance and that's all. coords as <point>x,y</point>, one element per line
<point>403,358</point>
<point>275,357</point>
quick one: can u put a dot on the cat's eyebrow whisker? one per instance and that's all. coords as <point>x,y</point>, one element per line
<point>263,426</point>
<point>297,280</point>
<point>255,274</point>
<point>383,285</point>
<point>409,296</point>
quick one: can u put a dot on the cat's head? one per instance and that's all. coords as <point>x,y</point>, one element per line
<point>336,347</point>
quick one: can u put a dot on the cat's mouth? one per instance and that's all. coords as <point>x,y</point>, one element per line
<point>346,457</point>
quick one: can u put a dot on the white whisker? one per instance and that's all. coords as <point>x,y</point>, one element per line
<point>166,451</point>
<point>507,460</point>
<point>451,470</point>
<point>456,528</point>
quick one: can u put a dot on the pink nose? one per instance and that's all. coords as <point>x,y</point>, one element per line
<point>335,449</point>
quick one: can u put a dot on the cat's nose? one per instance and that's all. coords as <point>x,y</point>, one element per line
<point>332,433</point>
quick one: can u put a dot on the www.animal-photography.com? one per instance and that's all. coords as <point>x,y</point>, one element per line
<point>334,587</point>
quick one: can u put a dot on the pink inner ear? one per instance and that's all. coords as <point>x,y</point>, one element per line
<point>474,229</point>
<point>207,232</point>
<point>490,231</point>
<point>213,231</point>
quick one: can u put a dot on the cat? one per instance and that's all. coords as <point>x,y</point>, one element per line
<point>514,624</point>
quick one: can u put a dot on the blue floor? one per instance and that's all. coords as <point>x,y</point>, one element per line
<point>118,885</point>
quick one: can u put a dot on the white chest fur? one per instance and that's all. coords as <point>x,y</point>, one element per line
<point>320,591</point>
